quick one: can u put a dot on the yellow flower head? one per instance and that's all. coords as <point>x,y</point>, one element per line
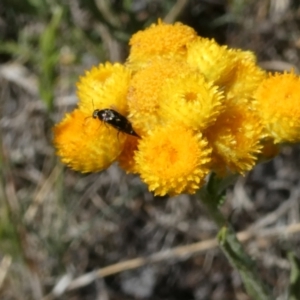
<point>189,99</point>
<point>173,160</point>
<point>278,103</point>
<point>105,86</point>
<point>144,92</point>
<point>246,77</point>
<point>196,105</point>
<point>86,144</point>
<point>235,139</point>
<point>215,62</point>
<point>126,158</point>
<point>160,40</point>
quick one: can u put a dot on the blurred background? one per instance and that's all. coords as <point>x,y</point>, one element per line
<point>56,224</point>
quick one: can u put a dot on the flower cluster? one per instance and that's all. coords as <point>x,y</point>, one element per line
<point>195,106</point>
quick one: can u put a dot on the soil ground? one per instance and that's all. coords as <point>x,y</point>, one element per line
<point>56,224</point>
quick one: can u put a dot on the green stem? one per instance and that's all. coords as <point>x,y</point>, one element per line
<point>211,195</point>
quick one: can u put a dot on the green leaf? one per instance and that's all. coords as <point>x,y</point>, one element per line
<point>294,288</point>
<point>236,255</point>
<point>212,196</point>
<point>49,58</point>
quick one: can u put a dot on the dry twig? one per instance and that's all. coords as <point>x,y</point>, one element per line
<point>181,252</point>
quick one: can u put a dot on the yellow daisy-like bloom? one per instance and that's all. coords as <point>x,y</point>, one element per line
<point>105,86</point>
<point>190,100</point>
<point>173,160</point>
<point>246,78</point>
<point>197,106</point>
<point>235,139</point>
<point>126,158</point>
<point>160,40</point>
<point>86,144</point>
<point>277,101</point>
<point>144,92</point>
<point>215,62</point>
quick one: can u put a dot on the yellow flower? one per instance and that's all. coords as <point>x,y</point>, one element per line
<point>215,62</point>
<point>86,144</point>
<point>234,70</point>
<point>278,103</point>
<point>246,77</point>
<point>197,106</point>
<point>144,92</point>
<point>105,86</point>
<point>126,158</point>
<point>173,160</point>
<point>160,40</point>
<point>235,139</point>
<point>190,100</point>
